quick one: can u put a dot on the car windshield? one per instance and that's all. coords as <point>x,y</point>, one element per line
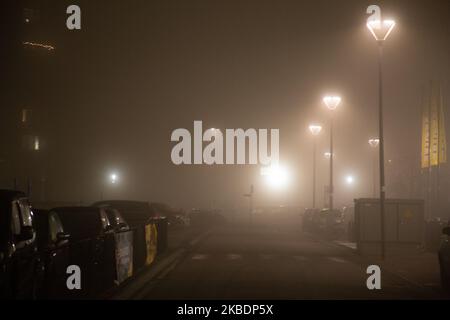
<point>80,224</point>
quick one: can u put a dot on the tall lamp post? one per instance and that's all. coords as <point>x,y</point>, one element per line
<point>332,102</point>
<point>315,130</point>
<point>381,29</point>
<point>374,143</point>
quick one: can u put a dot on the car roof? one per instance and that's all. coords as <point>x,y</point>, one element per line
<point>76,209</point>
<point>7,195</point>
<point>113,203</point>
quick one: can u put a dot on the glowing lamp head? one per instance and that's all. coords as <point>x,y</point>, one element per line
<point>374,142</point>
<point>276,176</point>
<point>113,178</point>
<point>332,102</point>
<point>350,180</point>
<point>380,29</point>
<point>315,129</point>
<point>327,155</point>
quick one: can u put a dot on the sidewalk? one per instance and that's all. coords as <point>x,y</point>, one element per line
<point>180,240</point>
<point>420,269</point>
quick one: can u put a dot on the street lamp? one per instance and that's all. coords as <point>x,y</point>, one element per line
<point>374,144</point>
<point>332,102</point>
<point>113,178</point>
<point>350,180</point>
<point>276,176</point>
<point>381,29</point>
<point>315,130</point>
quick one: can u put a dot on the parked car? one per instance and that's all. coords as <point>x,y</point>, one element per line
<point>136,213</point>
<point>444,258</point>
<point>53,248</point>
<point>329,223</point>
<point>20,267</point>
<point>308,219</point>
<point>92,247</point>
<point>116,219</point>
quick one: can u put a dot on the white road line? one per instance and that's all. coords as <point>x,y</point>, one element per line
<point>338,260</point>
<point>199,257</point>
<point>233,256</point>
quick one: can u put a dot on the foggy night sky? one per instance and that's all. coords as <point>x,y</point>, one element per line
<point>140,69</point>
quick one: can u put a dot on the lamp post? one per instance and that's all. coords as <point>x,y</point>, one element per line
<point>250,202</point>
<point>332,102</point>
<point>381,29</point>
<point>315,130</point>
<point>374,143</point>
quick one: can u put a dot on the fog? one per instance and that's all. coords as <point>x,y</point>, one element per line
<point>110,95</point>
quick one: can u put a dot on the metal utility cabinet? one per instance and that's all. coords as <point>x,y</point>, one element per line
<point>404,226</point>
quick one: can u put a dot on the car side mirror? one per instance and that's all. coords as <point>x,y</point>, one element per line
<point>446,231</point>
<point>62,236</point>
<point>27,233</point>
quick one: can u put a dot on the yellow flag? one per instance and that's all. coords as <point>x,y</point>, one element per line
<point>434,128</point>
<point>442,134</point>
<point>425,136</point>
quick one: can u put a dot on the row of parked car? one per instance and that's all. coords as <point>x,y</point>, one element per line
<point>329,223</point>
<point>38,245</point>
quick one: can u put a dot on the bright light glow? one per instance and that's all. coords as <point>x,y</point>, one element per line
<point>328,155</point>
<point>36,144</point>
<point>315,129</point>
<point>349,180</point>
<point>381,30</point>
<point>113,178</point>
<point>332,102</point>
<point>276,176</point>
<point>374,142</point>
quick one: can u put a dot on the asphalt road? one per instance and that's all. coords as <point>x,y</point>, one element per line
<point>273,259</point>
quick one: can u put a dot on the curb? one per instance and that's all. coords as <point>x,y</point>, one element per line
<point>139,286</point>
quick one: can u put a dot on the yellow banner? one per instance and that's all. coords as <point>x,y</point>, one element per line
<point>425,137</point>
<point>434,129</point>
<point>434,142</point>
<point>151,241</point>
<point>442,135</point>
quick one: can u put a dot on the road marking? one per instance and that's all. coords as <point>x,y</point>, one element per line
<point>199,257</point>
<point>169,269</point>
<point>350,245</point>
<point>233,256</point>
<point>338,260</point>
